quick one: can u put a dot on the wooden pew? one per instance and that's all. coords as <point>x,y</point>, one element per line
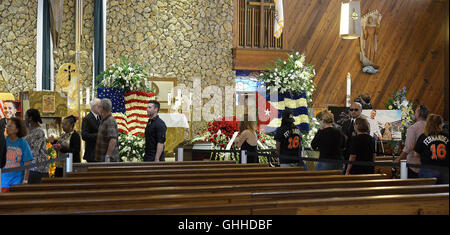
<point>385,169</point>
<point>66,205</point>
<point>105,172</point>
<point>194,175</point>
<point>414,204</point>
<point>155,167</point>
<point>193,182</point>
<point>211,189</point>
<point>80,167</point>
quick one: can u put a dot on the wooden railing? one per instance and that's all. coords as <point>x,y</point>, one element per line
<point>256,25</point>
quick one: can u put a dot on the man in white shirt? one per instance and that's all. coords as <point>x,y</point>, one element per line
<point>374,128</point>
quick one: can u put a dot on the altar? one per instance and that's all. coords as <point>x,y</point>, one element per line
<point>176,123</point>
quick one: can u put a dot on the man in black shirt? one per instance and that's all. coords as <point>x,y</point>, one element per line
<point>348,128</point>
<point>155,134</point>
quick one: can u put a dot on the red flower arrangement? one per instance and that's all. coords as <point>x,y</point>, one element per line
<point>220,131</point>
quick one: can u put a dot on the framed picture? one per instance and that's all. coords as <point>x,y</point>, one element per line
<point>163,87</point>
<point>48,103</point>
<point>386,124</point>
<point>11,108</point>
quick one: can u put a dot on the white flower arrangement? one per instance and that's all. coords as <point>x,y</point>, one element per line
<point>131,148</point>
<point>314,126</point>
<point>291,76</point>
<point>398,101</point>
<point>127,76</point>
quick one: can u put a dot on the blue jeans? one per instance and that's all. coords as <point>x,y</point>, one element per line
<point>301,163</point>
<point>441,176</point>
<point>324,166</point>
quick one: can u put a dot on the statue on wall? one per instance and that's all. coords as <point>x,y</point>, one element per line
<point>370,24</point>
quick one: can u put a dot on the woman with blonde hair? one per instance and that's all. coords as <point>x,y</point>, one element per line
<point>248,139</point>
<point>432,147</point>
<point>330,142</point>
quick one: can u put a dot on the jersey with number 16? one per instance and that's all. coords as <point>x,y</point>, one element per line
<point>433,149</point>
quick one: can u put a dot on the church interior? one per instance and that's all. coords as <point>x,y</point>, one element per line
<point>213,65</point>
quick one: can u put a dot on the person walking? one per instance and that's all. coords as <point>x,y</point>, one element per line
<point>330,141</point>
<point>106,148</point>
<point>412,135</point>
<point>432,149</point>
<point>37,142</point>
<point>348,129</point>
<point>155,134</point>
<point>362,149</point>
<point>288,141</point>
<point>89,130</point>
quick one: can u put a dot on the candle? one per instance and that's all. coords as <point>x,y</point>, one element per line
<point>349,89</point>
<point>87,95</point>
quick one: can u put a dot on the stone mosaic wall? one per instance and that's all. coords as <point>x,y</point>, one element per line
<point>174,38</point>
<point>18,44</point>
<point>180,39</point>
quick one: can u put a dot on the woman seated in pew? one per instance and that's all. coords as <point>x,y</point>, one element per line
<point>362,149</point>
<point>69,142</point>
<point>432,147</point>
<point>248,139</point>
<point>18,154</point>
<point>330,142</point>
<point>36,140</point>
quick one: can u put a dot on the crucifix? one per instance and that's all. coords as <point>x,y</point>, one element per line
<point>69,70</point>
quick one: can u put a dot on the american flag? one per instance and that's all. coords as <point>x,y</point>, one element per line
<point>136,111</point>
<point>129,110</point>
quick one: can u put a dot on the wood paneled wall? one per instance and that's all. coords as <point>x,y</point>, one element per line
<point>411,50</point>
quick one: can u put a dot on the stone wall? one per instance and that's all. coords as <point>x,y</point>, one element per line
<point>18,33</point>
<point>174,38</point>
<point>18,44</point>
<point>179,39</point>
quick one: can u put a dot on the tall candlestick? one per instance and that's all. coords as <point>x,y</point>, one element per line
<point>87,96</point>
<point>349,89</point>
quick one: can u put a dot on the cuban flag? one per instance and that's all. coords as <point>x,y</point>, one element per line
<point>270,110</point>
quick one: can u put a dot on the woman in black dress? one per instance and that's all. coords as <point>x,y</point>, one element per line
<point>248,140</point>
<point>330,142</point>
<point>362,149</point>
